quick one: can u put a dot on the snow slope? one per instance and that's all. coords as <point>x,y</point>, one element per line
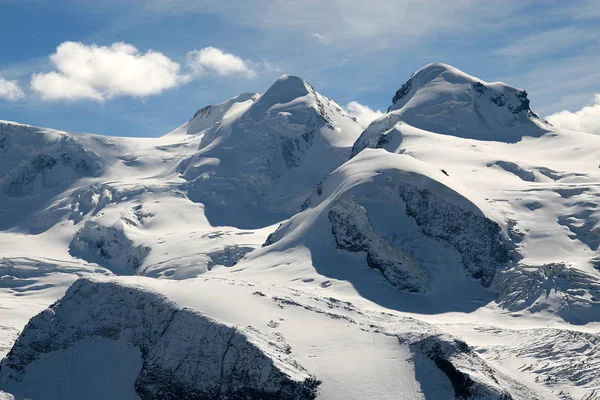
<point>397,210</point>
<point>259,248</point>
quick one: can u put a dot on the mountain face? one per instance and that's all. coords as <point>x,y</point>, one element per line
<point>259,163</point>
<point>257,249</point>
<point>210,117</point>
<point>37,164</point>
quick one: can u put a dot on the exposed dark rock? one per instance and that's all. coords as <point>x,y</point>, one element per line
<point>479,88</point>
<point>477,238</point>
<point>229,256</point>
<point>353,232</point>
<point>457,361</point>
<point>498,100</point>
<point>402,92</point>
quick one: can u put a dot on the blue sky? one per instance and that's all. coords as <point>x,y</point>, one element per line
<point>143,67</point>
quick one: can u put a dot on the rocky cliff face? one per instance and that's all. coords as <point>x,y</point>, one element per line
<point>185,355</point>
<point>478,239</point>
<point>353,232</point>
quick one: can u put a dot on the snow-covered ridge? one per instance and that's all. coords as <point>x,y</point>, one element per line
<point>177,352</point>
<point>209,116</point>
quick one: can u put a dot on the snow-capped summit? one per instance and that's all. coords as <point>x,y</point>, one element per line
<point>258,164</point>
<point>443,99</point>
<point>285,89</point>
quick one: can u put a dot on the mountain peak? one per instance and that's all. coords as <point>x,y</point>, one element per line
<point>287,87</point>
<point>284,90</point>
<point>443,99</point>
<point>435,70</point>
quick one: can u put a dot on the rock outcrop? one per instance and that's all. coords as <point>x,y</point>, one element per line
<point>108,246</point>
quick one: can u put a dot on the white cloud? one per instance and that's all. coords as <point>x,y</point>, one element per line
<point>102,72</point>
<point>363,114</point>
<point>322,39</point>
<point>10,90</point>
<point>587,119</point>
<point>216,60</point>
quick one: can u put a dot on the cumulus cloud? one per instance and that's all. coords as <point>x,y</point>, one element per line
<point>363,114</point>
<point>322,39</point>
<point>102,72</point>
<point>216,60</point>
<point>10,90</point>
<point>587,119</point>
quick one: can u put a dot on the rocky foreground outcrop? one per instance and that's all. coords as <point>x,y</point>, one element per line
<point>185,354</point>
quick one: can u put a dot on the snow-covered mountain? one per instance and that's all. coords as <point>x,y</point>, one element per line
<point>442,99</point>
<point>257,250</point>
<point>256,166</point>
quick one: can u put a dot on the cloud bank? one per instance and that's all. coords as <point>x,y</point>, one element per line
<point>102,72</point>
<point>363,114</point>
<point>587,119</point>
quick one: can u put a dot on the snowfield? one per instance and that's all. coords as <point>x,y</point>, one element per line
<point>272,248</point>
